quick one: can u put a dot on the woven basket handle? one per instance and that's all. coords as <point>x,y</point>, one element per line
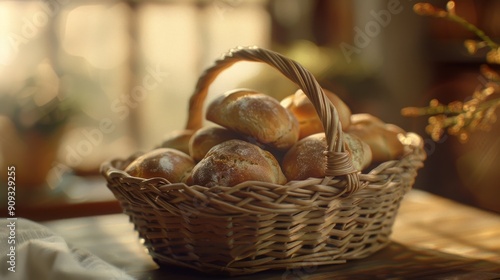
<point>339,162</point>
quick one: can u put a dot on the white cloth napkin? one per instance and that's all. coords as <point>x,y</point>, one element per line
<point>40,254</point>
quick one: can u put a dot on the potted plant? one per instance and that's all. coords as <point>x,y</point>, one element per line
<point>32,121</point>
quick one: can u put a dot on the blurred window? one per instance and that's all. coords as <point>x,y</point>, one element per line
<point>126,68</point>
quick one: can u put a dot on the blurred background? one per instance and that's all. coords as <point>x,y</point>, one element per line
<point>82,82</point>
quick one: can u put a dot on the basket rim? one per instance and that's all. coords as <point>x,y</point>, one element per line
<point>298,193</point>
<point>341,179</point>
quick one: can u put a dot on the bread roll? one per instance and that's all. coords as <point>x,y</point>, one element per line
<point>381,137</point>
<point>257,115</point>
<point>236,161</point>
<point>305,113</point>
<point>167,163</point>
<point>360,151</point>
<point>306,158</point>
<point>178,139</point>
<point>366,119</point>
<point>207,137</point>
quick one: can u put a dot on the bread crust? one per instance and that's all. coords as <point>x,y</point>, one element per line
<point>167,163</point>
<point>380,136</point>
<point>178,139</point>
<point>256,115</point>
<point>360,151</point>
<point>305,113</point>
<point>236,161</point>
<point>306,158</point>
<point>207,137</point>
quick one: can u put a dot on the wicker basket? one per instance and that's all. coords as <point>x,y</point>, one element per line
<point>257,226</point>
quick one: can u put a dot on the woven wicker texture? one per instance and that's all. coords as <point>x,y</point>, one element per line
<point>255,226</point>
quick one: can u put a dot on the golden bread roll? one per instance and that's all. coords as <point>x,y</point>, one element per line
<point>167,163</point>
<point>381,137</point>
<point>360,151</point>
<point>257,115</point>
<point>365,118</point>
<point>309,121</point>
<point>306,158</point>
<point>394,128</point>
<point>236,161</point>
<point>178,139</point>
<point>207,137</point>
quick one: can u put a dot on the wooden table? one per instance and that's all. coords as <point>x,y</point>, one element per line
<point>433,238</point>
<point>74,196</point>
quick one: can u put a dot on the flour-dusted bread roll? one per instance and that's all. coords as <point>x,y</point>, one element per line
<point>168,163</point>
<point>381,137</point>
<point>236,161</point>
<point>207,137</point>
<point>306,158</point>
<point>309,121</point>
<point>257,115</point>
<point>360,151</point>
<point>178,139</point>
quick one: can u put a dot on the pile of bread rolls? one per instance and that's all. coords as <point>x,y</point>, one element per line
<point>255,137</point>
